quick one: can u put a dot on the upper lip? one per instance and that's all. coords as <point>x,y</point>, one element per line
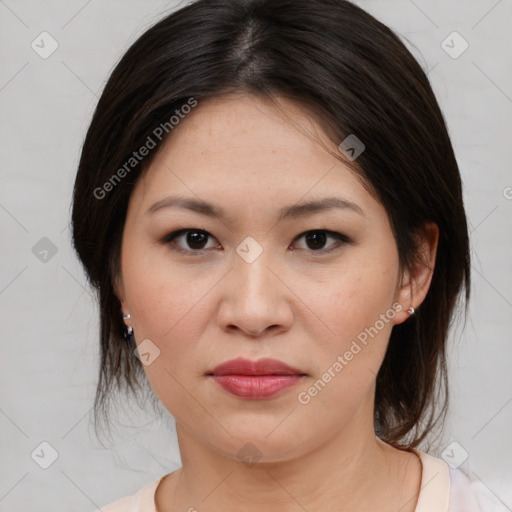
<point>265,366</point>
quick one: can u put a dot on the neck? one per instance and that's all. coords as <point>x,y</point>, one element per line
<point>350,472</point>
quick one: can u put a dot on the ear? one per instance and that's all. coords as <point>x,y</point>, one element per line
<point>415,281</point>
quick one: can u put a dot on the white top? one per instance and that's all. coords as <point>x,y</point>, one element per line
<point>443,489</point>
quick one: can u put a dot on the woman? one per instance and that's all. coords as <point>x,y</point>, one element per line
<point>270,209</point>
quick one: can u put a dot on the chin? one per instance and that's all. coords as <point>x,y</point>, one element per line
<point>260,445</point>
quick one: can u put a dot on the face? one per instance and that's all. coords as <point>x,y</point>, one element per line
<point>316,288</point>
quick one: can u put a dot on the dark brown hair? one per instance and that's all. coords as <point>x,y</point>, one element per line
<point>358,78</point>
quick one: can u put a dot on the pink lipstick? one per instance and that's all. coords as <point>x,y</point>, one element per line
<point>257,380</point>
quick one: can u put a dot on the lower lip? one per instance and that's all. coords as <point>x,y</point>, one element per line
<point>256,386</point>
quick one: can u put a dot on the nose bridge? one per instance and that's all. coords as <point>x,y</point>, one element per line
<point>251,266</point>
<point>253,299</point>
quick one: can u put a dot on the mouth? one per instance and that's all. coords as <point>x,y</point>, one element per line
<point>259,379</point>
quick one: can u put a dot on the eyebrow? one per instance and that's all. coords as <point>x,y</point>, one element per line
<point>288,212</point>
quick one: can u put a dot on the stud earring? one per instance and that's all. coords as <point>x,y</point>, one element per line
<point>127,316</point>
<point>410,311</point>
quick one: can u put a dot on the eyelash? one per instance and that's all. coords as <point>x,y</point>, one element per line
<point>169,238</point>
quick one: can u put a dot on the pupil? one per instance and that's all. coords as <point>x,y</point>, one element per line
<point>318,238</point>
<point>195,237</point>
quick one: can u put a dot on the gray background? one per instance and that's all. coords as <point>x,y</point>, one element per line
<point>49,318</point>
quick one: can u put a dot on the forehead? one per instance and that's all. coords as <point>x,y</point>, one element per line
<point>240,123</point>
<point>243,146</point>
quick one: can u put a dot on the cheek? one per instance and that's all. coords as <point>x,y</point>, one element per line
<point>356,313</point>
<point>353,299</point>
<point>168,308</point>
<point>357,310</point>
<point>163,297</point>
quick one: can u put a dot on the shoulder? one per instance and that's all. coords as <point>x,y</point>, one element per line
<point>142,501</point>
<point>444,489</point>
<point>471,495</point>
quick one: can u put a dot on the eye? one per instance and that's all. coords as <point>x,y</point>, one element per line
<point>195,240</point>
<point>316,239</point>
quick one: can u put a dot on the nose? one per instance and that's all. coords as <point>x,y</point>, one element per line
<point>255,299</point>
